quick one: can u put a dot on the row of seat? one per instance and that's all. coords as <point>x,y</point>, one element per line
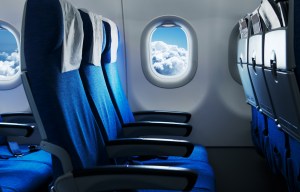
<point>84,118</point>
<point>267,63</point>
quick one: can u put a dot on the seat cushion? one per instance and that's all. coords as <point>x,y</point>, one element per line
<point>38,156</point>
<point>24,176</point>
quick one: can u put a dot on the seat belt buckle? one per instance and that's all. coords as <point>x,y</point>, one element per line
<point>34,148</point>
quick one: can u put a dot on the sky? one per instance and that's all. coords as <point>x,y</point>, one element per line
<point>171,36</point>
<point>8,42</point>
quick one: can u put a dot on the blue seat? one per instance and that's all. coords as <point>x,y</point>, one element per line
<point>98,95</point>
<point>32,171</point>
<point>81,160</point>
<point>278,148</point>
<point>268,33</point>
<point>293,167</point>
<point>24,176</point>
<point>101,104</point>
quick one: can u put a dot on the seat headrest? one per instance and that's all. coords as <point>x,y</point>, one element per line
<point>73,37</point>
<point>110,52</point>
<point>93,26</point>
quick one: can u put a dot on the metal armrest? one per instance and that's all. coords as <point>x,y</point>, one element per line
<point>16,129</point>
<point>167,116</point>
<point>111,178</point>
<point>148,147</point>
<point>156,128</point>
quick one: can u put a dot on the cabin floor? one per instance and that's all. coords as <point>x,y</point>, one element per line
<point>240,169</point>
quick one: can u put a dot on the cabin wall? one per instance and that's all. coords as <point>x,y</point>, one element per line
<point>13,100</point>
<point>220,116</point>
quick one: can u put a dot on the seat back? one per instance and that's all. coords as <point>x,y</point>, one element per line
<point>256,65</point>
<point>242,62</point>
<point>95,86</point>
<point>281,73</point>
<point>113,81</point>
<point>58,100</point>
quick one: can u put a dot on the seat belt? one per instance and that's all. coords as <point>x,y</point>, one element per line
<point>14,148</point>
<point>17,152</point>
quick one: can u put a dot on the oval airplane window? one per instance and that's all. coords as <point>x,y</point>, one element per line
<point>169,52</point>
<point>9,57</point>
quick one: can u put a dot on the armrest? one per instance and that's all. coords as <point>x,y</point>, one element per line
<point>16,129</point>
<point>4,115</point>
<point>111,178</point>
<point>148,147</point>
<point>167,116</point>
<point>19,117</point>
<point>156,128</point>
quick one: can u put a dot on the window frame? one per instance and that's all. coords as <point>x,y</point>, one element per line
<point>163,81</point>
<point>16,80</point>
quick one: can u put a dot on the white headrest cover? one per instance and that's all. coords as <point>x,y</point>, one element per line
<point>73,37</point>
<point>95,57</point>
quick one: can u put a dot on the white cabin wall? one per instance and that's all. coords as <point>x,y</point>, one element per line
<point>13,100</point>
<point>220,116</point>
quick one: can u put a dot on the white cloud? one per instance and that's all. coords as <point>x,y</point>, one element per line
<point>168,59</point>
<point>9,64</point>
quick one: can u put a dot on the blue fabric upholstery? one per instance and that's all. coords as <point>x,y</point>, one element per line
<point>24,177</point>
<point>255,130</point>
<point>294,165</point>
<point>278,148</point>
<point>61,94</point>
<point>114,84</point>
<point>105,114</point>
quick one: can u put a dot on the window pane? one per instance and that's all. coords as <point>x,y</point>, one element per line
<point>169,51</point>
<point>9,55</point>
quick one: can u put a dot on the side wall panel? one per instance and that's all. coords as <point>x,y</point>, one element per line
<point>216,101</point>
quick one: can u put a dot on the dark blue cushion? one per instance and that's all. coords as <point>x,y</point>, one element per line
<point>254,130</point>
<point>114,83</point>
<point>278,147</point>
<point>118,95</point>
<point>38,156</point>
<point>24,177</point>
<point>294,165</point>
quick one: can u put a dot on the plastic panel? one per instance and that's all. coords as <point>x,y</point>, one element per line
<point>255,57</point>
<point>286,97</point>
<point>244,73</point>
<point>275,43</point>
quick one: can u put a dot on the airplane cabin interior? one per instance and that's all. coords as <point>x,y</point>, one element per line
<point>139,95</point>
